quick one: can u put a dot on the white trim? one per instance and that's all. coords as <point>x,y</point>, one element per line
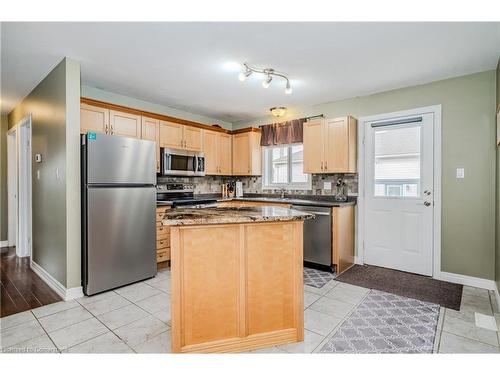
<point>466,280</point>
<point>436,111</point>
<point>56,286</point>
<point>4,243</point>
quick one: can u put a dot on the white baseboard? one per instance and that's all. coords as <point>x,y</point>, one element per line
<point>56,286</point>
<point>466,280</point>
<point>4,243</point>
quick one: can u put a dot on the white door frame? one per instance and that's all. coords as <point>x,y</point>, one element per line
<point>436,111</point>
<point>12,206</point>
<point>19,187</point>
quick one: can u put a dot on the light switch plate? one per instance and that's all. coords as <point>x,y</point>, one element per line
<point>460,172</point>
<point>327,185</point>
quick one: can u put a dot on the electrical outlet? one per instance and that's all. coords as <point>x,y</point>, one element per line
<point>327,185</point>
<point>460,172</point>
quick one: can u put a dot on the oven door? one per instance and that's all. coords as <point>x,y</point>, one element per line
<point>178,162</point>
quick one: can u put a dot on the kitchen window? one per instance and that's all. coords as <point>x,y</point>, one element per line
<point>283,167</point>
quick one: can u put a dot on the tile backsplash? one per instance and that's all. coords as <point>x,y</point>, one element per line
<point>212,184</point>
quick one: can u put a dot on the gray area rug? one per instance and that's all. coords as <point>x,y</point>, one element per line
<point>317,278</point>
<point>387,323</point>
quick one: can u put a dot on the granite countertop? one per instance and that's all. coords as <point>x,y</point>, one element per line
<point>232,215</point>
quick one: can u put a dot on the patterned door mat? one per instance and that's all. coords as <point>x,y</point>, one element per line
<point>317,278</point>
<point>387,323</point>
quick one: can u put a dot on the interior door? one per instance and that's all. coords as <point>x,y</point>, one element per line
<point>399,194</point>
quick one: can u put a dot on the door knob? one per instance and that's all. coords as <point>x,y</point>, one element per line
<point>427,204</point>
<point>427,192</point>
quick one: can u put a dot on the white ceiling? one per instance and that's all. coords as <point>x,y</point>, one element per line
<point>184,65</point>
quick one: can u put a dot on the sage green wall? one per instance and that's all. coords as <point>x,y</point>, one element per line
<point>109,97</point>
<point>3,178</point>
<point>497,244</point>
<point>468,133</point>
<point>54,108</point>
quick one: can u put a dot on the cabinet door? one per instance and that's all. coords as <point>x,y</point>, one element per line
<point>151,132</point>
<point>95,119</point>
<point>224,154</point>
<point>171,134</point>
<point>313,146</point>
<point>210,151</point>
<point>192,138</point>
<point>241,154</point>
<point>125,124</point>
<point>336,145</point>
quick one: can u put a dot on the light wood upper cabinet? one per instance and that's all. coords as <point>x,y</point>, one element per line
<point>124,124</point>
<point>94,119</point>
<point>330,145</point>
<point>193,138</point>
<point>247,155</point>
<point>171,134</point>
<point>151,132</point>
<point>224,154</point>
<point>313,146</point>
<point>210,151</point>
<point>180,136</point>
<point>217,150</point>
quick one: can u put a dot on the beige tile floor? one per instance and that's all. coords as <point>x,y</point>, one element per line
<point>136,319</point>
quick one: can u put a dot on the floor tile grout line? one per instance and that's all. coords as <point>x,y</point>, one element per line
<point>50,338</point>
<point>150,314</point>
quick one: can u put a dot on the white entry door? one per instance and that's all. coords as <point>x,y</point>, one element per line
<point>398,220</point>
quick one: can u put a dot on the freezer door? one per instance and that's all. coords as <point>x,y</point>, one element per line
<point>120,160</point>
<point>121,237</point>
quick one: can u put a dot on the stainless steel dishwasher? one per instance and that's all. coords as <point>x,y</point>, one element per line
<point>317,237</point>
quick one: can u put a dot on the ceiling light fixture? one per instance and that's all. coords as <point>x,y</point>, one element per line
<point>278,111</point>
<point>269,72</point>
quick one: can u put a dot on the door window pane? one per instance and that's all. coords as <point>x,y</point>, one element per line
<point>397,161</point>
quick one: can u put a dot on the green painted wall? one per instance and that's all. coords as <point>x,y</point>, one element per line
<point>54,106</point>
<point>109,97</point>
<point>3,178</point>
<point>468,133</point>
<point>497,244</point>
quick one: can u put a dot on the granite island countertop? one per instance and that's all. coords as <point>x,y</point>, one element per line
<point>232,215</point>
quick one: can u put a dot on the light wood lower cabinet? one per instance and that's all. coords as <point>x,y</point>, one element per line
<point>343,237</point>
<point>236,287</point>
<point>162,236</point>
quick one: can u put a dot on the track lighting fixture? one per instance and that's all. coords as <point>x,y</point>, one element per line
<point>267,71</point>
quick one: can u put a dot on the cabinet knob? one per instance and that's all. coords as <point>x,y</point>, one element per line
<point>326,166</point>
<point>321,165</point>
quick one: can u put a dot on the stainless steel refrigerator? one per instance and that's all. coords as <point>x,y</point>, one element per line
<point>118,211</point>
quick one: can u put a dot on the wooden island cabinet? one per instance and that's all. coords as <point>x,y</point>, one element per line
<point>237,278</point>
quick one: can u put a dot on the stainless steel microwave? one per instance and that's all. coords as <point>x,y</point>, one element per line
<point>175,162</point>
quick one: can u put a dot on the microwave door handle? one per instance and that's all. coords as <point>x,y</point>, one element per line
<point>195,164</point>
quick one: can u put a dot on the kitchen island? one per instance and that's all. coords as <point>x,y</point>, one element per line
<point>237,278</point>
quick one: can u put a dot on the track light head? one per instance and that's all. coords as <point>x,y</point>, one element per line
<point>244,75</point>
<point>288,88</point>
<point>267,82</point>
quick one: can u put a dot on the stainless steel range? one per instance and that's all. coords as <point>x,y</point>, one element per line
<point>181,195</point>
